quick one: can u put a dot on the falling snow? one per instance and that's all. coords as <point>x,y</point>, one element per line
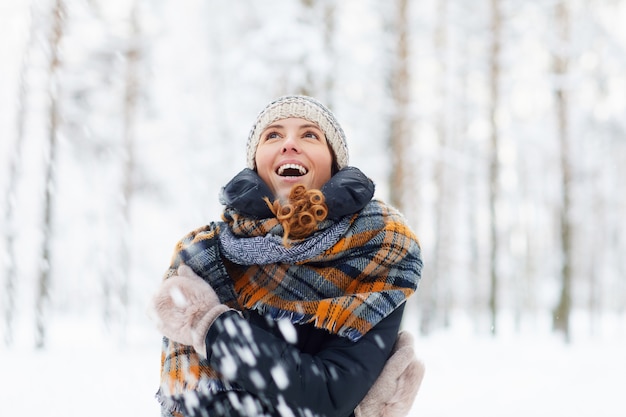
<point>102,370</point>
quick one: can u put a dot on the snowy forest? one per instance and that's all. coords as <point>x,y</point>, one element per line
<point>497,127</point>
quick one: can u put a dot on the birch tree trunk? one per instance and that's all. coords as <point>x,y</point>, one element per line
<point>330,8</point>
<point>494,190</point>
<point>307,14</point>
<point>560,67</point>
<point>439,270</point>
<point>400,93</point>
<point>472,181</point>
<point>43,282</point>
<point>131,93</point>
<point>15,161</point>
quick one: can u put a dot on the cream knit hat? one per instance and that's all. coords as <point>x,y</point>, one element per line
<point>306,108</point>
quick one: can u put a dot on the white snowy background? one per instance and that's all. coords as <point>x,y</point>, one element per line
<point>189,140</point>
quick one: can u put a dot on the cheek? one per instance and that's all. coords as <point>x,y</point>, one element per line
<point>261,160</point>
<point>325,163</point>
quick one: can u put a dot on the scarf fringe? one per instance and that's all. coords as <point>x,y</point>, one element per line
<point>168,404</point>
<point>277,314</point>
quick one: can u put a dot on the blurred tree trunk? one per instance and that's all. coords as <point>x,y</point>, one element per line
<point>471,179</point>
<point>10,227</point>
<point>494,190</point>
<point>15,161</point>
<point>43,283</point>
<point>131,95</point>
<point>330,8</point>
<point>307,17</point>
<point>440,278</point>
<point>560,67</point>
<point>400,95</point>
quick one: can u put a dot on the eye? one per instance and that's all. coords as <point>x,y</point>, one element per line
<point>272,135</point>
<point>311,135</point>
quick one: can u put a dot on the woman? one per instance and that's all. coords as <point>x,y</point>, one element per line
<point>292,304</point>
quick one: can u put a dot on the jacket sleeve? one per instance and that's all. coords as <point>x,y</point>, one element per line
<point>329,383</point>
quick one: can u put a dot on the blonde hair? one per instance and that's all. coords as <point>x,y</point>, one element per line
<point>301,214</point>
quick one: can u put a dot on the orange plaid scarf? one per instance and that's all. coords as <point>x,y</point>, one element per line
<point>348,284</point>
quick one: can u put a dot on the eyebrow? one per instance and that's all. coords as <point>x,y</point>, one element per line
<point>279,126</point>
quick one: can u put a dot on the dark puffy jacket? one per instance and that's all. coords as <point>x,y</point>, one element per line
<point>321,374</point>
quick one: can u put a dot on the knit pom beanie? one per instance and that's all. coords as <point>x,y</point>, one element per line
<point>306,108</point>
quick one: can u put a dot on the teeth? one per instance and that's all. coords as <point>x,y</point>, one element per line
<point>300,168</point>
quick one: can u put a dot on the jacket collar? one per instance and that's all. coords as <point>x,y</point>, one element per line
<point>347,192</point>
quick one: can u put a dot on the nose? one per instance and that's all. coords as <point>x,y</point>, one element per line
<point>291,144</point>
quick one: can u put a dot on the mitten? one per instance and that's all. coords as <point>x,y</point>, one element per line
<point>186,306</point>
<point>394,391</point>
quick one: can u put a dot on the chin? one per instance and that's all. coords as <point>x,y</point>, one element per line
<point>282,195</point>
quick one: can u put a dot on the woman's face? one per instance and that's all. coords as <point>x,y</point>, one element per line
<point>293,151</point>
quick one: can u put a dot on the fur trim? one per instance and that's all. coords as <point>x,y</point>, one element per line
<point>394,391</point>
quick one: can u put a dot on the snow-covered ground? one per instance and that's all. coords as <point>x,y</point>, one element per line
<point>530,373</point>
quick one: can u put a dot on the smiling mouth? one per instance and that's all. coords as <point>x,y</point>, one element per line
<point>291,170</point>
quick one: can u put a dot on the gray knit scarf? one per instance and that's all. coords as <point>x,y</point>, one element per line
<point>269,249</point>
